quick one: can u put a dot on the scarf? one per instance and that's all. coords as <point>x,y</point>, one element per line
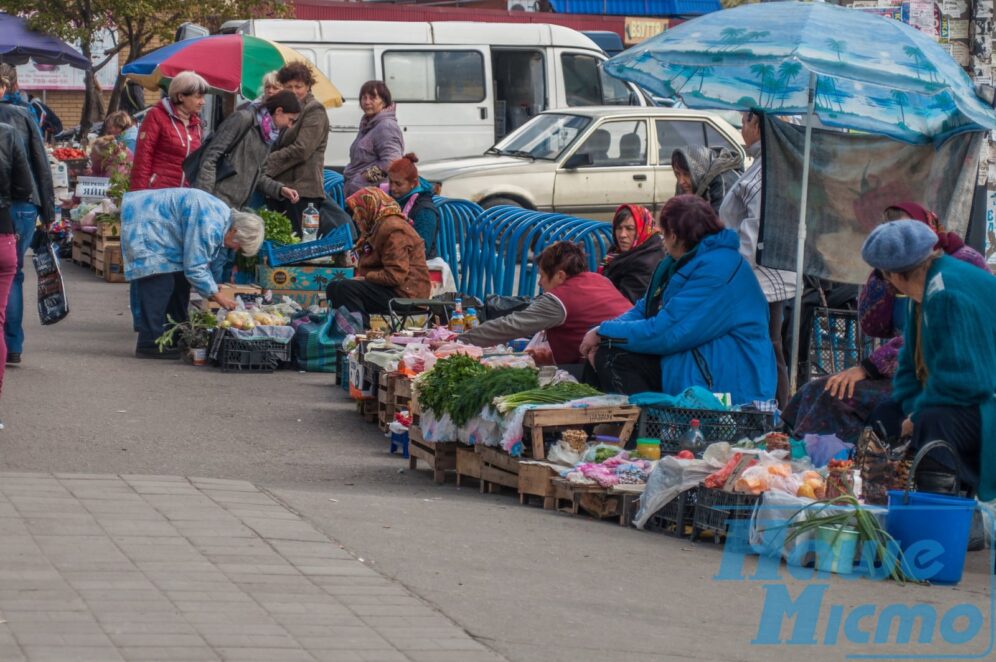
<point>949,242</point>
<point>370,206</point>
<point>268,130</point>
<point>645,229</point>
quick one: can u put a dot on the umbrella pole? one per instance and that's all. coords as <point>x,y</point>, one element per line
<point>800,255</point>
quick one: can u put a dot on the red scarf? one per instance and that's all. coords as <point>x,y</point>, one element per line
<point>949,242</point>
<point>645,229</point>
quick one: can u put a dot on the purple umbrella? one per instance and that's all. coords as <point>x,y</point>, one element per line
<point>18,44</point>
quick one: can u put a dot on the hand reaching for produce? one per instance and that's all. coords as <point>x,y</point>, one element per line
<point>290,194</point>
<point>223,300</point>
<point>842,384</point>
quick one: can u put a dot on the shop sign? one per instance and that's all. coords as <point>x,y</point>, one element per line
<point>32,76</point>
<point>637,29</point>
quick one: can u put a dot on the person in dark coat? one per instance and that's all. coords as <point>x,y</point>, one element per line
<point>24,210</point>
<point>637,251</point>
<point>708,172</point>
<point>414,195</point>
<point>246,136</point>
<point>299,154</point>
<point>379,141</point>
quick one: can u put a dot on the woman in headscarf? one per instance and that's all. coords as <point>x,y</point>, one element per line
<point>391,257</point>
<point>637,251</point>
<point>708,172</point>
<point>841,404</point>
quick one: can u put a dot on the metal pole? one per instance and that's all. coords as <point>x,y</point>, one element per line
<point>800,256</point>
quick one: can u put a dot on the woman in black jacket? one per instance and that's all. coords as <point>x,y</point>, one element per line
<point>637,250</point>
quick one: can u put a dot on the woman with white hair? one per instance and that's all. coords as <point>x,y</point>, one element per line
<point>173,240</point>
<point>170,132</point>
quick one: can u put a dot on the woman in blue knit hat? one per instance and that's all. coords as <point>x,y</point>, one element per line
<point>945,385</point>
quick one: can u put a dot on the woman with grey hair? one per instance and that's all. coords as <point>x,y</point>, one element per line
<point>173,240</point>
<point>170,132</point>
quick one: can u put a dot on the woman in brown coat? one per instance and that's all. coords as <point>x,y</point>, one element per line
<point>391,257</point>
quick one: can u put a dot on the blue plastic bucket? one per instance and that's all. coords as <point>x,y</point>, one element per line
<point>932,530</point>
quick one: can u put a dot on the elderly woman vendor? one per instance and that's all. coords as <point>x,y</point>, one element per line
<point>175,239</point>
<point>945,384</point>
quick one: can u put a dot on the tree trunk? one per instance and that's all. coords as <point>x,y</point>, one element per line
<point>115,101</point>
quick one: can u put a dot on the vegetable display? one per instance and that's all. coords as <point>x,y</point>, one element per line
<point>481,390</point>
<point>437,387</point>
<point>277,229</point>
<point>68,154</point>
<point>554,394</point>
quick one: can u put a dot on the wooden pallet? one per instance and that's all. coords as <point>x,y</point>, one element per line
<point>535,480</point>
<point>537,421</point>
<point>439,455</point>
<point>83,245</point>
<point>567,495</point>
<point>468,464</point>
<point>498,469</point>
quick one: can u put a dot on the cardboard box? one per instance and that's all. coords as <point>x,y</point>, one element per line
<point>226,288</point>
<point>315,278</point>
<point>108,263</point>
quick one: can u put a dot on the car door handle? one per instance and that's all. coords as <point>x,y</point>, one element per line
<point>639,178</point>
<point>484,113</point>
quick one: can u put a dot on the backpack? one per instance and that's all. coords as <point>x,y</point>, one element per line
<point>47,119</point>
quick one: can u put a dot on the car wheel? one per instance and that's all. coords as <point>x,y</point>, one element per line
<point>499,201</point>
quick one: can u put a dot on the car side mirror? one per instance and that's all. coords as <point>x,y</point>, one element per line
<point>578,160</point>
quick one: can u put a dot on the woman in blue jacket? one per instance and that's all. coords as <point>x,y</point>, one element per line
<point>703,321</point>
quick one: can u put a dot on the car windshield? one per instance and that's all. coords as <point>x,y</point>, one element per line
<point>543,137</point>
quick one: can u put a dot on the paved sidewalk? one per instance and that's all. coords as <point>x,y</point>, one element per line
<point>106,568</point>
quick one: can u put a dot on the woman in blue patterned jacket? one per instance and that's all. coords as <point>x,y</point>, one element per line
<point>175,239</point>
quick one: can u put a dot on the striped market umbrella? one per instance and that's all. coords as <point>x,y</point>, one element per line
<point>234,63</point>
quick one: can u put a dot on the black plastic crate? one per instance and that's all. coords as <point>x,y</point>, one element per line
<point>669,424</point>
<point>676,516</point>
<point>836,343</point>
<point>715,509</point>
<point>256,355</point>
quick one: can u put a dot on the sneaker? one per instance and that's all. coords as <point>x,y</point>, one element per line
<point>13,357</point>
<point>168,355</point>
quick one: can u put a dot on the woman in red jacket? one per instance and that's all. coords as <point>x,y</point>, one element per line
<point>170,132</point>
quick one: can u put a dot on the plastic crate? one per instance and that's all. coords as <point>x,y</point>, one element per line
<point>835,344</point>
<point>257,355</point>
<point>669,424</point>
<point>339,240</point>
<point>676,516</point>
<point>715,509</point>
<point>342,368</point>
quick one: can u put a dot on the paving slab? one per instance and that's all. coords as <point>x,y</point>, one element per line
<point>143,568</point>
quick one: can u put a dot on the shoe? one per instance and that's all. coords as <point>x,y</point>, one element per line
<point>13,357</point>
<point>168,355</point>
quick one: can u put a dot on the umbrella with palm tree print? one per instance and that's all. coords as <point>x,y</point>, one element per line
<point>851,69</point>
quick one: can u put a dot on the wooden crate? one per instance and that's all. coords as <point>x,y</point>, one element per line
<point>498,468</point>
<point>111,231</point>
<point>535,480</point>
<point>536,421</point>
<point>385,399</point>
<point>83,243</point>
<point>107,261</point>
<point>367,409</point>
<point>468,464</point>
<point>567,495</point>
<point>439,455</point>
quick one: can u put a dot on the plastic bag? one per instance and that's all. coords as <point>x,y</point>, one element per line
<point>417,359</point>
<point>53,304</point>
<point>821,448</point>
<point>672,476</point>
<point>539,349</point>
<point>601,452</point>
<point>437,429</point>
<point>562,453</point>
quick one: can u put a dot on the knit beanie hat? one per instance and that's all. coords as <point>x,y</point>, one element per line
<point>898,246</point>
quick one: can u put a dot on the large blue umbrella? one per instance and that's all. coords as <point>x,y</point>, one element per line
<point>852,69</point>
<point>18,44</point>
<point>872,73</point>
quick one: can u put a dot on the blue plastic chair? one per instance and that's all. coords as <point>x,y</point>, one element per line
<point>333,183</point>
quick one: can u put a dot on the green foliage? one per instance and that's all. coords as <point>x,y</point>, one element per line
<point>553,394</point>
<point>437,387</point>
<point>193,334</point>
<point>277,228</point>
<point>481,390</point>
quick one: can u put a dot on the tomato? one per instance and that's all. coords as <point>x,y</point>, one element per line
<point>685,455</point>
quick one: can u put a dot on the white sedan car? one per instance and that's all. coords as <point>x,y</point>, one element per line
<point>583,161</point>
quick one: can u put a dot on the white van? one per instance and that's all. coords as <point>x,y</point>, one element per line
<point>459,87</point>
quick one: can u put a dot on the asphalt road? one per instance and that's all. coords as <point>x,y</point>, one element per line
<point>531,584</point>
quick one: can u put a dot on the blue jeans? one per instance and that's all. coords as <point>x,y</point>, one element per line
<point>25,214</point>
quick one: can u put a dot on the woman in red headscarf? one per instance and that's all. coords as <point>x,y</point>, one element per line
<point>841,404</point>
<point>637,251</point>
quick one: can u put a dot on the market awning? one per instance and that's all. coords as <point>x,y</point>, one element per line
<point>637,7</point>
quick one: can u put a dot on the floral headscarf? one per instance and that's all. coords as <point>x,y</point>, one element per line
<point>370,205</point>
<point>645,229</point>
<point>949,242</point>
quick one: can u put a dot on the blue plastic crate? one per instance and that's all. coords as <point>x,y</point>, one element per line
<point>339,240</point>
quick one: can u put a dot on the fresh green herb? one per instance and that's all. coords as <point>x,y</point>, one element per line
<point>277,229</point>
<point>481,390</point>
<point>437,387</point>
<point>553,394</point>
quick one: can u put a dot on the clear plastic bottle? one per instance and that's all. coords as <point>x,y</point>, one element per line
<point>457,324</point>
<point>470,320</point>
<point>693,440</point>
<point>309,223</point>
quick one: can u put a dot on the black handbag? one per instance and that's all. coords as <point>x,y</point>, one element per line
<point>224,169</point>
